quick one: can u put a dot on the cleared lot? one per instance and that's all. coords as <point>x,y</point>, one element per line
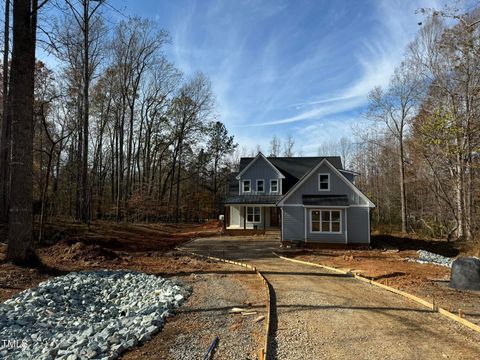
<point>319,314</point>
<point>216,288</point>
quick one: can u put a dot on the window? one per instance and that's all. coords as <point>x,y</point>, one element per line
<point>315,218</point>
<point>274,185</point>
<point>253,214</point>
<point>323,182</point>
<point>260,186</point>
<point>246,185</point>
<point>325,221</point>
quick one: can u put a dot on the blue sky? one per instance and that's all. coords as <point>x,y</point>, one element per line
<point>300,68</point>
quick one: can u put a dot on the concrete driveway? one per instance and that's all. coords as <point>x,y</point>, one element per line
<point>324,315</point>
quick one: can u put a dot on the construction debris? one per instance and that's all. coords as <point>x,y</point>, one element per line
<point>248,313</point>
<point>260,318</point>
<point>236,310</point>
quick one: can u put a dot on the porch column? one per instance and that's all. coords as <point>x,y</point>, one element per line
<point>244,217</point>
<point>264,220</point>
<point>226,217</point>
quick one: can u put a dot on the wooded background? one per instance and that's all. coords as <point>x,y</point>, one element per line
<point>111,129</point>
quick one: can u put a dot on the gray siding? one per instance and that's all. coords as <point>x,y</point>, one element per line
<point>358,225</point>
<point>260,170</point>
<point>293,223</point>
<point>337,187</point>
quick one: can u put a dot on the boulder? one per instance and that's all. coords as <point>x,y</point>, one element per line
<point>465,274</point>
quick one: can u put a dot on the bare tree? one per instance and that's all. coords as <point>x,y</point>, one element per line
<point>395,107</point>
<point>84,17</point>
<point>275,146</point>
<point>288,147</point>
<point>190,109</point>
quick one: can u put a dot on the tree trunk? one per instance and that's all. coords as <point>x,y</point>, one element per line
<point>5,125</point>
<point>403,199</point>
<point>20,235</point>
<point>44,192</point>
<point>177,195</point>
<point>84,204</point>
<point>459,196</point>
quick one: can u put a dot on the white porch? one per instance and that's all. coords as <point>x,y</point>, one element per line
<point>252,217</point>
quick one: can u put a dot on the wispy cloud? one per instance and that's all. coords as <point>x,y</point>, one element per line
<point>380,52</point>
<point>282,67</point>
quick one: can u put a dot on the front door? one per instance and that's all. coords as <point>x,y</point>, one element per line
<point>274,217</point>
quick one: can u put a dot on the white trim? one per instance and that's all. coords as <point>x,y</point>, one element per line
<point>262,180</point>
<point>324,207</point>
<point>246,214</point>
<point>338,173</point>
<point>369,226</point>
<point>306,221</point>
<point>328,183</point>
<point>239,187</point>
<point>282,229</point>
<point>346,206</point>
<point>260,155</point>
<point>346,226</point>
<point>325,232</point>
<point>249,186</point>
<point>278,188</point>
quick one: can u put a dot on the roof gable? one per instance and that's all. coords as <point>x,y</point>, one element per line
<point>258,157</point>
<point>336,172</point>
<point>294,167</point>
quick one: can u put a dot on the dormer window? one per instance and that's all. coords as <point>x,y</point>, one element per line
<point>274,185</point>
<point>323,182</point>
<point>260,186</point>
<point>246,186</point>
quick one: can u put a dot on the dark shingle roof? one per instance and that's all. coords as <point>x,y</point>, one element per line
<point>325,200</point>
<point>253,199</point>
<point>293,168</point>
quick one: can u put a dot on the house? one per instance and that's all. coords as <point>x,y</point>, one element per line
<point>309,199</point>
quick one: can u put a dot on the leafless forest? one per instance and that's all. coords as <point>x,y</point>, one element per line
<point>419,157</point>
<point>119,133</point>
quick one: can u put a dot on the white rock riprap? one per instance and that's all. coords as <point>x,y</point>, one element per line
<point>427,257</point>
<point>86,315</point>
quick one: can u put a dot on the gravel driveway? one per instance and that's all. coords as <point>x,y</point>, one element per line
<point>324,315</point>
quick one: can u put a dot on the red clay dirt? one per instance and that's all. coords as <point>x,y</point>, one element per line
<point>150,248</point>
<point>76,247</point>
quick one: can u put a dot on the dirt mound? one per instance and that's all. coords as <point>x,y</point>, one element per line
<point>212,225</point>
<point>80,251</point>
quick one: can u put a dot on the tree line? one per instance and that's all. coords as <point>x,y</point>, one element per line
<point>419,156</point>
<point>113,130</point>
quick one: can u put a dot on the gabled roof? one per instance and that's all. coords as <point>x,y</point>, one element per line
<point>294,168</point>
<point>336,171</point>
<point>252,161</point>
